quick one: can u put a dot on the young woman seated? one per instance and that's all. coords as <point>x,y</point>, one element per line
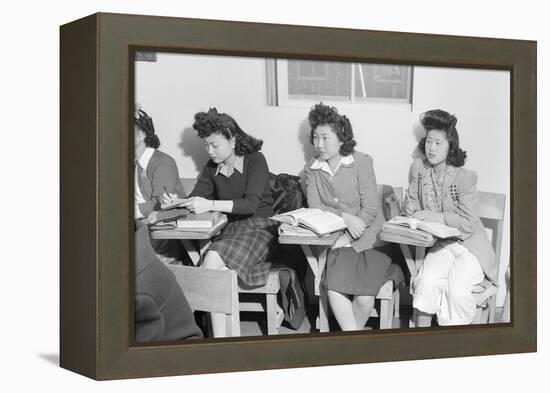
<point>441,190</point>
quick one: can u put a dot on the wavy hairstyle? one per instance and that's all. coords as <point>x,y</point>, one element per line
<point>145,124</point>
<point>340,124</point>
<point>208,123</point>
<point>438,119</point>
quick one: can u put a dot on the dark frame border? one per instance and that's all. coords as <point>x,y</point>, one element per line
<point>95,272</point>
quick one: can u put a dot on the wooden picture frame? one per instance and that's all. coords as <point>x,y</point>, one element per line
<point>96,205</point>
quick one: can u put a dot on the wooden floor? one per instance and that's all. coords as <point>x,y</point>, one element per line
<point>253,324</point>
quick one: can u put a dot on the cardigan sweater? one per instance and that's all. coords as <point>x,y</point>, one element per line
<point>460,205</point>
<point>351,190</point>
<point>250,190</point>
<point>161,172</point>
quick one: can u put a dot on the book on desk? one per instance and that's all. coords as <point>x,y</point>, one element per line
<point>208,222</point>
<point>309,222</point>
<point>413,231</point>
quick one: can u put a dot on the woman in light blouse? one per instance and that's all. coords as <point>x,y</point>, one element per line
<point>342,180</point>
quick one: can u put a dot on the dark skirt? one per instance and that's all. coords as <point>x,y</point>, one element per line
<point>361,273</point>
<point>171,251</point>
<point>247,246</point>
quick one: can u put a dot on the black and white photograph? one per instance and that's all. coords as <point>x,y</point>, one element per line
<point>293,196</point>
<point>308,196</point>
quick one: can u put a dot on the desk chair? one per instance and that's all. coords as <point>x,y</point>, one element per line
<point>491,213</point>
<point>505,318</point>
<point>263,299</point>
<point>387,299</point>
<point>258,299</point>
<point>211,291</point>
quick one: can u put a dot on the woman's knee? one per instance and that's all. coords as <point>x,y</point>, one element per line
<point>427,280</point>
<point>364,301</point>
<point>458,290</point>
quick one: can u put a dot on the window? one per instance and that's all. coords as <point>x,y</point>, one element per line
<point>306,82</point>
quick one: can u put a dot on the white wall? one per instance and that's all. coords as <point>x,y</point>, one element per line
<point>177,86</point>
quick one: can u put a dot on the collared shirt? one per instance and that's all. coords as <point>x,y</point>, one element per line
<point>143,161</point>
<point>324,166</point>
<point>227,170</point>
<point>351,189</point>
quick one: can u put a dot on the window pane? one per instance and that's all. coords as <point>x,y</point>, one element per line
<point>319,78</point>
<point>382,81</point>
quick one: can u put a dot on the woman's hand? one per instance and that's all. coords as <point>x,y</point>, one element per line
<point>342,241</point>
<point>152,217</point>
<point>197,205</point>
<point>428,215</point>
<point>167,198</point>
<point>356,226</point>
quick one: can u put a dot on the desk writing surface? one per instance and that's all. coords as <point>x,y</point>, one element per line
<point>182,235</point>
<point>405,240</point>
<point>327,240</point>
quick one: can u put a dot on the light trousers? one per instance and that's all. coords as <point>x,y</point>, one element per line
<point>444,284</point>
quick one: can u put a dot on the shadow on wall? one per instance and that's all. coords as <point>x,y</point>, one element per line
<point>419,132</point>
<point>192,146</point>
<point>308,150</point>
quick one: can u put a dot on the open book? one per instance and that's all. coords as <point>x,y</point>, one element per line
<point>316,220</point>
<point>175,203</point>
<point>435,228</point>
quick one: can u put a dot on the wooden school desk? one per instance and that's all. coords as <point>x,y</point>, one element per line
<point>317,265</point>
<point>196,243</point>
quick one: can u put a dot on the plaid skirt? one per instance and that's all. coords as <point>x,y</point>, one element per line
<point>247,246</point>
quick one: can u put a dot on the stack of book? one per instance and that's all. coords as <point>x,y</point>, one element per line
<point>413,231</point>
<point>309,222</point>
<point>208,222</point>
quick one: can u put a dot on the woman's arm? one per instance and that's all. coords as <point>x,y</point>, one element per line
<point>163,175</point>
<point>368,190</point>
<point>411,203</point>
<point>204,187</point>
<point>258,176</point>
<point>201,198</point>
<point>464,215</point>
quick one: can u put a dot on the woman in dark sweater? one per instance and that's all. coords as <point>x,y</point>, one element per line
<point>235,181</point>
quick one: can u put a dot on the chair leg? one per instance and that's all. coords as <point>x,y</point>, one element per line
<point>479,316</point>
<point>492,308</point>
<point>271,310</point>
<point>505,317</point>
<point>396,303</point>
<point>323,311</point>
<point>386,314</point>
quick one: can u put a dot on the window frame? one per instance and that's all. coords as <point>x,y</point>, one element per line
<point>279,95</point>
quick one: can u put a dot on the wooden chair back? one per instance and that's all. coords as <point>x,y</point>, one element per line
<point>491,208</point>
<point>211,291</point>
<point>491,212</point>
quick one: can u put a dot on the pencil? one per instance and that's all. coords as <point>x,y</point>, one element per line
<point>167,193</point>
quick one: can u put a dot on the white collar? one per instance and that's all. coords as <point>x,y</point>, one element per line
<point>324,166</point>
<point>227,170</point>
<point>145,157</point>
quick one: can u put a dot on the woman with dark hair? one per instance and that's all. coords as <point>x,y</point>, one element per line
<point>155,174</point>
<point>441,190</point>
<point>235,181</point>
<point>342,181</point>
